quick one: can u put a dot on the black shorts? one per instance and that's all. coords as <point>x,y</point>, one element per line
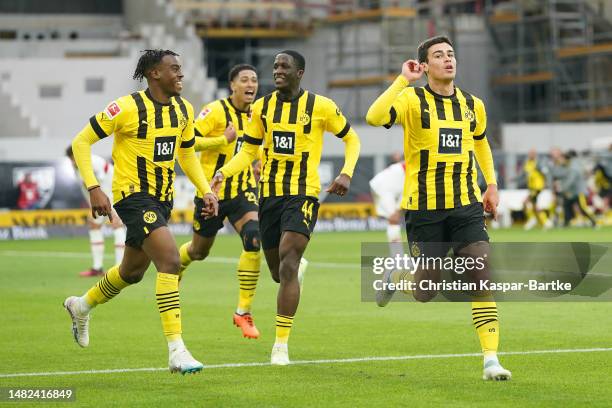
<point>434,232</point>
<point>233,208</point>
<point>287,213</point>
<point>142,214</point>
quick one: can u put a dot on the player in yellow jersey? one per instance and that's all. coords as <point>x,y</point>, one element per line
<point>218,125</point>
<point>444,134</point>
<point>536,182</point>
<point>152,129</point>
<point>289,123</point>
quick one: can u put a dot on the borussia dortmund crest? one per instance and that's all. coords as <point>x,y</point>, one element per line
<point>415,250</point>
<point>196,225</point>
<point>304,119</point>
<point>469,114</point>
<point>149,217</point>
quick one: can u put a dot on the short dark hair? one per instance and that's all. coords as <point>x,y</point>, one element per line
<point>300,62</point>
<point>237,69</point>
<point>425,45</point>
<point>69,151</point>
<point>148,60</point>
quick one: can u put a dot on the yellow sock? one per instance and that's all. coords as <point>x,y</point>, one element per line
<point>542,217</point>
<point>107,288</point>
<point>185,258</point>
<point>283,328</point>
<point>248,274</point>
<point>484,316</point>
<point>167,294</point>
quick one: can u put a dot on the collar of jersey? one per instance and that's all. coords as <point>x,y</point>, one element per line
<point>229,100</point>
<point>299,95</point>
<point>148,94</point>
<point>438,95</point>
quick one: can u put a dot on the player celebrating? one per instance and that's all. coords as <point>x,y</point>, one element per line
<point>444,130</point>
<point>103,171</point>
<point>218,124</point>
<point>290,124</point>
<point>152,128</point>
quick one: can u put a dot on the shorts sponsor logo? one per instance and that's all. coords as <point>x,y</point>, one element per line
<point>149,217</point>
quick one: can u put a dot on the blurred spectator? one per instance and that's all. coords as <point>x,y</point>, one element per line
<point>29,198</point>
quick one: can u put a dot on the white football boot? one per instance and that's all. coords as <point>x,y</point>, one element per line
<point>280,355</point>
<point>80,321</point>
<point>181,361</point>
<point>494,371</point>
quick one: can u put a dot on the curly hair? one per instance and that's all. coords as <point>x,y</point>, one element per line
<point>148,60</point>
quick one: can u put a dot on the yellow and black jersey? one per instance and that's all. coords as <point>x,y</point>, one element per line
<point>442,136</point>
<point>291,133</point>
<point>536,180</point>
<point>211,123</point>
<point>148,135</point>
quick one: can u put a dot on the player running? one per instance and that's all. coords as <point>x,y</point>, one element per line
<point>152,129</point>
<point>103,171</point>
<point>290,124</point>
<point>218,125</point>
<point>444,134</point>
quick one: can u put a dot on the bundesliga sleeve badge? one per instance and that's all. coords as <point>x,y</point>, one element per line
<point>112,110</point>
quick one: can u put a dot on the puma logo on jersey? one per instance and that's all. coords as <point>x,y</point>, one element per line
<point>144,122</point>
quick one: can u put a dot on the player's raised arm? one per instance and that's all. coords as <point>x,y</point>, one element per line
<point>101,125</point>
<point>339,126</point>
<point>383,111</point>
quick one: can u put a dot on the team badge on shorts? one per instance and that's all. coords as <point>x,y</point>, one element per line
<point>149,217</point>
<point>304,119</point>
<point>415,250</point>
<point>196,225</point>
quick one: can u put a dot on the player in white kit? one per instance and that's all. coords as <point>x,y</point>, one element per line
<point>387,188</point>
<point>104,173</point>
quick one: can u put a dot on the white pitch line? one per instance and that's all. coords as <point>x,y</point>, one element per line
<point>212,259</point>
<point>305,362</point>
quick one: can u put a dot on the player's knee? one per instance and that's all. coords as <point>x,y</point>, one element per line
<point>275,275</point>
<point>424,296</point>
<point>250,236</point>
<point>171,264</point>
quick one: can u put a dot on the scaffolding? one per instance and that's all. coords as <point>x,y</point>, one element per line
<point>553,60</point>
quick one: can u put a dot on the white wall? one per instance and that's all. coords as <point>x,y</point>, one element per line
<point>61,118</point>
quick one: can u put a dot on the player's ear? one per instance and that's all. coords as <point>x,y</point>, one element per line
<point>300,73</point>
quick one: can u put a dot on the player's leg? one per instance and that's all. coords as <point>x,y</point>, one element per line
<point>248,268</point>
<point>568,210</point>
<point>467,226</point>
<point>119,235</point>
<point>388,207</point>
<point>204,233</point>
<point>161,248</point>
<point>530,210</point>
<point>96,243</point>
<point>297,222</point>
<point>585,210</point>
<point>133,266</point>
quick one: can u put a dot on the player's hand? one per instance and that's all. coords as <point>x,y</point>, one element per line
<point>211,205</point>
<point>100,204</point>
<point>340,185</point>
<point>230,133</point>
<point>490,200</point>
<point>215,183</point>
<point>412,70</point>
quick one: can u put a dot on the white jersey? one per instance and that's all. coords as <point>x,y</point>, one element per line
<point>104,173</point>
<point>387,189</point>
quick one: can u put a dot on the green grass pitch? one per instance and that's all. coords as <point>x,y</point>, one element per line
<point>331,323</point>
